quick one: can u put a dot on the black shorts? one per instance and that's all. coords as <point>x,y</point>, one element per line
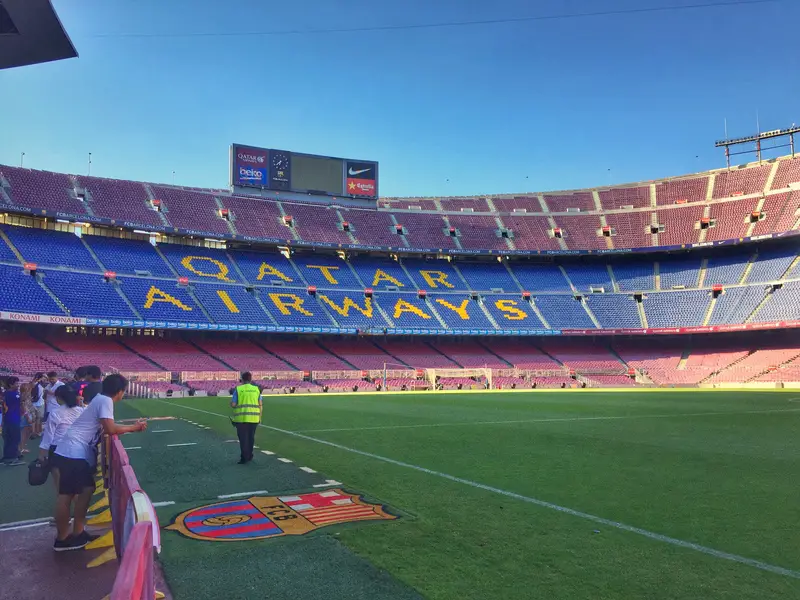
<point>76,475</point>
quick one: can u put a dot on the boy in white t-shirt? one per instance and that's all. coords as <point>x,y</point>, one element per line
<point>76,454</point>
<point>51,403</point>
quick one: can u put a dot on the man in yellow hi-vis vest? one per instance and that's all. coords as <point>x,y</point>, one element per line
<point>246,404</point>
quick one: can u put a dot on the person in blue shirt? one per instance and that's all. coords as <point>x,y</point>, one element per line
<point>12,414</point>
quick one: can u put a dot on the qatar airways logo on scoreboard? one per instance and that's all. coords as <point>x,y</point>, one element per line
<point>251,156</point>
<point>249,166</point>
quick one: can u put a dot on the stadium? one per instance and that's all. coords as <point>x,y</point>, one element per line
<point>583,393</point>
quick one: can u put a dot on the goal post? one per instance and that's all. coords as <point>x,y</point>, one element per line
<point>432,375</point>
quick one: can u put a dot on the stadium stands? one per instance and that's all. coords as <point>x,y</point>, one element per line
<point>191,210</point>
<point>128,256</point>
<point>316,222</point>
<point>676,309</point>
<point>87,295</point>
<point>682,191</point>
<point>119,200</point>
<point>49,248</point>
<point>614,311</point>
<point>741,181</point>
<point>41,189</point>
<point>245,289</point>
<point>22,292</point>
<point>200,211</point>
<point>579,201</point>
<point>256,218</point>
<point>564,312</point>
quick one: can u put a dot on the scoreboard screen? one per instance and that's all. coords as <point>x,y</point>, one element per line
<point>281,170</point>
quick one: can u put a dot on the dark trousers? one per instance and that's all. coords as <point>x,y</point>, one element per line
<point>247,437</point>
<point>11,438</point>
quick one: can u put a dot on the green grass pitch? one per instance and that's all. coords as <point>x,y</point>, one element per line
<point>720,469</point>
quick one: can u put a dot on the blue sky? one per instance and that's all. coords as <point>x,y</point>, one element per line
<point>554,104</point>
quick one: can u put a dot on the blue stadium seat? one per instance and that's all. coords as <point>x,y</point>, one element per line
<point>6,255</point>
<point>487,276</point>
<point>459,311</point>
<point>51,248</point>
<point>615,311</point>
<point>230,304</point>
<point>436,275</point>
<point>158,300</point>
<point>261,268</point>
<point>200,264</point>
<point>327,272</point>
<point>352,309</point>
<point>679,272</point>
<point>128,256</point>
<point>726,269</point>
<point>736,304</point>
<point>593,275</point>
<point>21,292</point>
<point>676,309</point>
<point>563,312</point>
<point>770,265</point>
<point>634,276</point>
<point>784,305</point>
<point>87,295</point>
<point>379,273</point>
<point>541,278</point>
<point>512,312</point>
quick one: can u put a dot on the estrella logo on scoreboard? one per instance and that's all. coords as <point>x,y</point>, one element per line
<point>360,187</point>
<point>265,517</point>
<point>252,175</point>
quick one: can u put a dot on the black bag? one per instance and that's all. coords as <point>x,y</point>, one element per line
<point>38,471</point>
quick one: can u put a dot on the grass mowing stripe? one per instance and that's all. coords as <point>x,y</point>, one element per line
<point>542,503</point>
<point>555,420</point>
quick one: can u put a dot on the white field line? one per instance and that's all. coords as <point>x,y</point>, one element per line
<point>165,503</point>
<point>554,420</point>
<point>267,452</point>
<point>29,526</point>
<point>131,447</point>
<point>161,431</point>
<point>794,399</point>
<point>328,483</point>
<point>285,460</point>
<point>25,524</point>
<point>184,444</point>
<point>307,469</point>
<point>241,494</point>
<point>542,503</point>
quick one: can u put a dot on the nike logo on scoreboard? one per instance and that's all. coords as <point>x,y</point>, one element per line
<point>352,172</point>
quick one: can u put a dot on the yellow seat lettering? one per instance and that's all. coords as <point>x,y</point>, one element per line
<point>347,304</point>
<point>267,269</point>
<point>222,268</point>
<point>434,278</point>
<point>381,275</point>
<point>156,295</point>
<point>401,307</point>
<point>326,272</point>
<point>283,302</point>
<point>226,300</point>
<point>461,310</point>
<point>510,310</point>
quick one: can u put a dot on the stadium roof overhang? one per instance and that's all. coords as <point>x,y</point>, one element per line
<point>31,33</point>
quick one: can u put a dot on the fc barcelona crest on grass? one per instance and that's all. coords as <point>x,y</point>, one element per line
<point>266,517</point>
